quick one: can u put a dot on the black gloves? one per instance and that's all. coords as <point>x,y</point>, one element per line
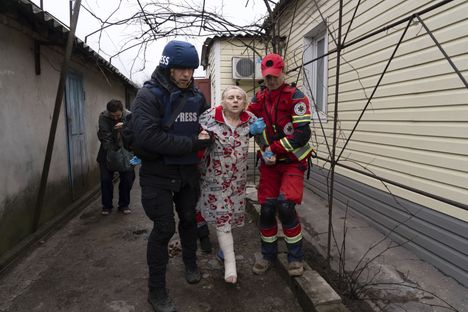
<point>200,144</point>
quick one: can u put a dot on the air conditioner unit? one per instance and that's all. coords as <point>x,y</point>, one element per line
<point>246,68</point>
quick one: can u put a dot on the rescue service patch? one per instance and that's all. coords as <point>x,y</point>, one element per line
<point>300,108</point>
<point>288,128</point>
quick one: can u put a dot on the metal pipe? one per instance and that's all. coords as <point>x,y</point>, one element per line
<point>335,127</point>
<point>385,28</point>
<point>253,94</point>
<point>400,185</point>
<point>55,117</point>
<point>449,59</point>
<point>70,4</point>
<point>351,22</point>
<point>376,87</point>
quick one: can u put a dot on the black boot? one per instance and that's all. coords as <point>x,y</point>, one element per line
<point>192,274</point>
<point>160,301</point>
<point>205,244</point>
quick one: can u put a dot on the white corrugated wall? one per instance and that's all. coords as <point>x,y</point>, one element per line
<point>415,130</point>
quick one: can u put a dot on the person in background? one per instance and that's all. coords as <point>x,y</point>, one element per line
<point>111,122</point>
<point>285,149</point>
<point>224,173</point>
<point>165,124</point>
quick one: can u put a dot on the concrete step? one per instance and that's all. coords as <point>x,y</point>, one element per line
<point>312,290</point>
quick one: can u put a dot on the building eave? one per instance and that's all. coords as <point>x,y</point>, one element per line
<point>29,14</point>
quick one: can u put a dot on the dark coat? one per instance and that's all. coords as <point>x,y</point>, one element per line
<point>165,145</point>
<point>107,134</point>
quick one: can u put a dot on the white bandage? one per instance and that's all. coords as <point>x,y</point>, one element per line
<point>226,243</point>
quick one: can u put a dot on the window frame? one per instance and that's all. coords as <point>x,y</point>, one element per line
<point>310,75</point>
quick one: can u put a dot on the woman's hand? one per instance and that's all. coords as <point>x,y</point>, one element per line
<point>204,135</point>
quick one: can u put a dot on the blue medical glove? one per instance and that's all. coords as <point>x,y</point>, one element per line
<point>257,127</point>
<point>135,161</point>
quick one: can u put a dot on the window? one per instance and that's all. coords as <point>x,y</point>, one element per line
<point>316,73</point>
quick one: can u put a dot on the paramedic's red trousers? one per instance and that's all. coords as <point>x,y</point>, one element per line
<point>280,189</point>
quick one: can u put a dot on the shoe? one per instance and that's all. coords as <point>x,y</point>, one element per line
<point>205,244</point>
<point>192,275</point>
<point>105,212</point>
<point>261,266</point>
<point>296,268</point>
<point>161,302</point>
<point>220,255</point>
<point>125,210</point>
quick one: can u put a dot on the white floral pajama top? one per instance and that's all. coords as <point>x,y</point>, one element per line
<point>224,170</point>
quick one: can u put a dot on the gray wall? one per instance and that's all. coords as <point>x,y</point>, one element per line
<point>27,106</point>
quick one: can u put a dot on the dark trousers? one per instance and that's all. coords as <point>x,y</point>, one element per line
<point>291,229</point>
<point>158,204</point>
<point>202,227</point>
<point>107,186</point>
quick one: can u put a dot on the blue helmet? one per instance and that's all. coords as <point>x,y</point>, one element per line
<point>179,54</point>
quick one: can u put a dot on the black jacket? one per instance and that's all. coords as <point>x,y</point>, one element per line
<point>107,134</point>
<point>162,144</point>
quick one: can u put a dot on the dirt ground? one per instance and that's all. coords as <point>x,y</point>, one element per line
<point>97,263</point>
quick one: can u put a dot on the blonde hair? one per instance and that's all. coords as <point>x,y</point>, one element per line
<point>244,94</point>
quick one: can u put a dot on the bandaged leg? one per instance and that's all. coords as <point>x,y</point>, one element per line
<point>226,243</point>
